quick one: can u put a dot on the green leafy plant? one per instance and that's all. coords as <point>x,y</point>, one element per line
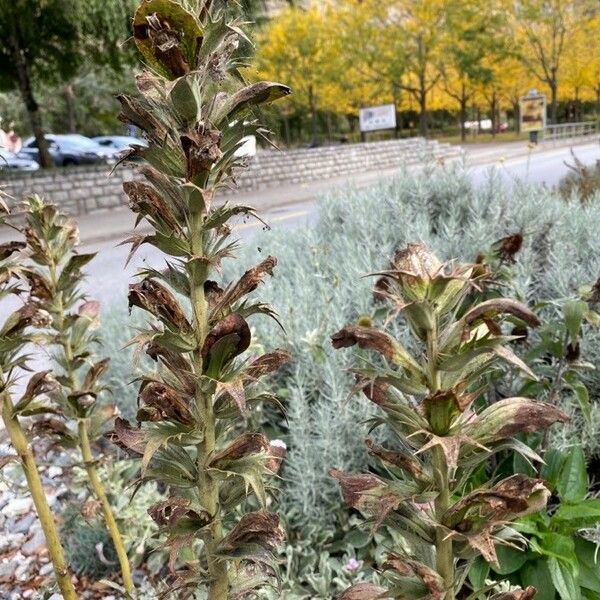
<point>195,109</point>
<point>433,404</point>
<point>17,332</point>
<point>73,417</point>
<point>560,561</point>
<point>88,546</point>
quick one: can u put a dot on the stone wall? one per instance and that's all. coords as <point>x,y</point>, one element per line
<point>80,190</point>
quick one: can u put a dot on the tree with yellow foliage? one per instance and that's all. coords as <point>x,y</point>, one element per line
<point>545,30</point>
<point>301,48</point>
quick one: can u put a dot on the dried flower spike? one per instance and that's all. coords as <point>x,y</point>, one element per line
<point>428,401</point>
<point>195,110</point>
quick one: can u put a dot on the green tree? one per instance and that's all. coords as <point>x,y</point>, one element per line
<point>46,43</point>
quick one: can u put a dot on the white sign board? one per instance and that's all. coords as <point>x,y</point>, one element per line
<point>375,118</point>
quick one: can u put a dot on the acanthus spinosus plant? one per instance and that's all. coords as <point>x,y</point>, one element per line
<point>433,404</point>
<point>195,109</point>
<point>17,333</point>
<point>73,416</point>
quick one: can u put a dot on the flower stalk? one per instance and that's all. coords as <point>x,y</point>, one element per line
<point>194,109</point>
<point>16,334</point>
<point>434,405</point>
<point>54,276</point>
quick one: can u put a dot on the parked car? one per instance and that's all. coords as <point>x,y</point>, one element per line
<point>11,162</point>
<point>70,149</point>
<point>119,142</point>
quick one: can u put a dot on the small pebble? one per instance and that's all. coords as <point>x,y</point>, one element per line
<point>35,544</point>
<point>17,506</point>
<point>22,525</point>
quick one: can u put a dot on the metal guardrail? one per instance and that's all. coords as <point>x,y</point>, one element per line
<point>569,131</point>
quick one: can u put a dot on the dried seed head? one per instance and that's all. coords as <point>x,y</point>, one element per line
<point>168,512</point>
<point>231,325</point>
<point>415,267</point>
<point>40,383</point>
<point>486,509</point>
<point>167,400</point>
<point>10,248</point>
<point>168,36</point>
<point>201,149</point>
<point>38,286</point>
<point>158,301</point>
<point>508,247</point>
<point>145,200</point>
<point>365,591</point>
<point>260,528</point>
<point>367,338</point>
<point>33,241</point>
<point>376,391</point>
<point>268,363</point>
<point>527,594</point>
<point>245,445</point>
<point>405,462</point>
<point>127,438</point>
<point>213,293</point>
<point>277,452</point>
<point>510,416</point>
<point>406,568</point>
<point>248,282</point>
<point>355,487</point>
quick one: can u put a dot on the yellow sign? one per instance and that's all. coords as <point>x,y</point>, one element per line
<point>533,113</point>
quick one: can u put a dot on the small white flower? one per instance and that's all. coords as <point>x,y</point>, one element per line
<point>279,444</point>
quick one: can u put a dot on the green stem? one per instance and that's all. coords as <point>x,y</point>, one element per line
<point>444,549</point>
<point>85,446</point>
<point>208,490</point>
<point>55,550</point>
<point>109,518</point>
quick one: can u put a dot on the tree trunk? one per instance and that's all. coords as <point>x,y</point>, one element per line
<point>286,129</point>
<point>423,130</point>
<point>33,109</point>
<point>313,113</point>
<point>71,109</point>
<point>553,103</point>
<point>463,118</point>
<point>493,109</point>
<point>517,116</point>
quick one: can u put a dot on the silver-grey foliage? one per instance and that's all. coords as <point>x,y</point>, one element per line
<point>318,289</point>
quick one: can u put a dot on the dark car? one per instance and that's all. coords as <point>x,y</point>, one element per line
<point>70,149</point>
<point>11,162</point>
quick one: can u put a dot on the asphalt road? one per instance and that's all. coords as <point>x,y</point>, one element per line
<point>107,277</point>
<point>297,206</point>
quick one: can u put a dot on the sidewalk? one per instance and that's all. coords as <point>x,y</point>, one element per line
<point>118,223</point>
<point>478,154</point>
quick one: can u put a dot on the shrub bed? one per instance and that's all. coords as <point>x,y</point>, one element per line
<point>318,289</point>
